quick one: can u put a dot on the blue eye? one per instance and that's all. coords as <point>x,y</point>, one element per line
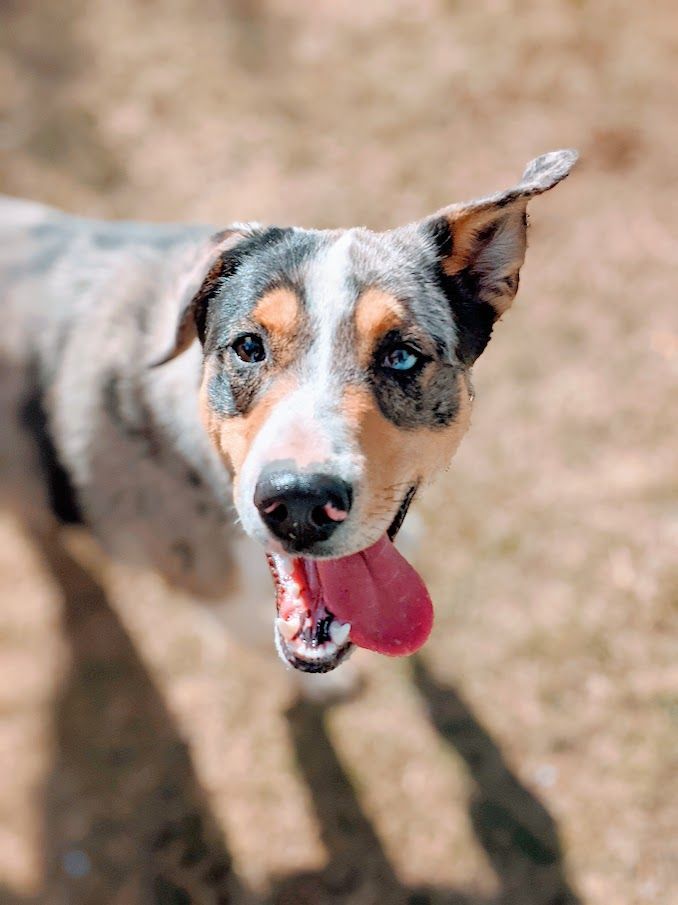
<point>400,358</point>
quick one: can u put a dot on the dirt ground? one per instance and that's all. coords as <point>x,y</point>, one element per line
<point>528,757</point>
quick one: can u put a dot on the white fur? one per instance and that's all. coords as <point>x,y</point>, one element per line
<point>307,425</point>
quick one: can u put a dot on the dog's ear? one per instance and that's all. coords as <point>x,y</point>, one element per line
<point>481,246</point>
<point>215,261</point>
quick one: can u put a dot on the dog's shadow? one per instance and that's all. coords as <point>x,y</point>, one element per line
<point>126,822</point>
<point>515,830</point>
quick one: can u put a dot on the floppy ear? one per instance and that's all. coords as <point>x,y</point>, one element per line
<point>481,247</point>
<point>215,261</point>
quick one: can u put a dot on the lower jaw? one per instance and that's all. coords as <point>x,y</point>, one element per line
<point>311,659</point>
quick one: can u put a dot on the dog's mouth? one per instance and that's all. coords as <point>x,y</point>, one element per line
<point>372,599</point>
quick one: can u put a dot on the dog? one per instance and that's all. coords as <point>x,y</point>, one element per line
<point>163,383</point>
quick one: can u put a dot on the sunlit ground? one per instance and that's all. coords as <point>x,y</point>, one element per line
<point>529,755</point>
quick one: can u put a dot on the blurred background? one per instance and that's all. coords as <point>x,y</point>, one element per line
<point>529,755</point>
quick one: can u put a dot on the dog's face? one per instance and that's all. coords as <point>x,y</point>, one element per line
<point>332,368</point>
<point>336,381</point>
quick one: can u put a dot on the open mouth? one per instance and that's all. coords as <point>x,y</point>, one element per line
<point>372,599</point>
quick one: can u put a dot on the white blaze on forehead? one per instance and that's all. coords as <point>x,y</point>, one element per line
<point>307,426</point>
<point>329,299</point>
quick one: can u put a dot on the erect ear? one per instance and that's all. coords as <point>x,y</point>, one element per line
<point>215,260</point>
<point>481,247</point>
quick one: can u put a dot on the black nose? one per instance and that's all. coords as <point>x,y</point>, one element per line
<point>302,509</point>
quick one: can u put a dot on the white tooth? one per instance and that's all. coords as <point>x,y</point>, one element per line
<point>288,628</point>
<point>339,632</point>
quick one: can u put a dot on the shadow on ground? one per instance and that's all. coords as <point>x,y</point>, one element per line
<point>127,823</point>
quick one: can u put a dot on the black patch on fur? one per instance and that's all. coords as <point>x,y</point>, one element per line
<point>200,316</point>
<point>137,424</point>
<point>474,317</point>
<point>485,235</point>
<point>441,234</point>
<point>506,199</point>
<point>184,554</point>
<point>427,396</point>
<point>61,492</point>
<point>425,401</point>
<point>401,514</point>
<point>221,397</point>
<point>165,892</point>
<point>193,478</point>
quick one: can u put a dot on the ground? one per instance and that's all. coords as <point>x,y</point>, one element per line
<point>528,756</point>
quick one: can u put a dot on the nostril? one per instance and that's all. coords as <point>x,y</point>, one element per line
<point>319,517</point>
<point>335,513</point>
<point>327,514</point>
<point>276,512</point>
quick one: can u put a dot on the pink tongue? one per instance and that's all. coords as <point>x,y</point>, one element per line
<point>381,595</point>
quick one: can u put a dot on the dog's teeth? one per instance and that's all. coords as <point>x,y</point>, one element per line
<point>306,652</point>
<point>339,632</point>
<point>288,628</point>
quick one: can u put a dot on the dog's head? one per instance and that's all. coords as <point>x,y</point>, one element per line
<point>336,381</point>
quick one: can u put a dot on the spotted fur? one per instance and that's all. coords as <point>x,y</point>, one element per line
<point>112,300</point>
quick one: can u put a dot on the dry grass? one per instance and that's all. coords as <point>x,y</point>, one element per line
<point>550,545</point>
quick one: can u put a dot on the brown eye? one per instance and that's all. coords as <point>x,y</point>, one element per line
<point>249,348</point>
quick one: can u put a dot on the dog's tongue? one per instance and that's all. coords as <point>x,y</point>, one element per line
<point>381,595</point>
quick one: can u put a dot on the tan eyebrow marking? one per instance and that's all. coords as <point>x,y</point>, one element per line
<point>278,312</point>
<point>376,313</point>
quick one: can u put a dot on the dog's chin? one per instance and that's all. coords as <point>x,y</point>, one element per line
<point>309,636</point>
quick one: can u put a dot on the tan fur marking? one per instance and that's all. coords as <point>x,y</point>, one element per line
<point>465,225</point>
<point>376,313</point>
<point>278,312</point>
<point>395,458</point>
<point>233,437</point>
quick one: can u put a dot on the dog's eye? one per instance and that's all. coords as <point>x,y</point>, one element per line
<point>400,358</point>
<point>249,348</point>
